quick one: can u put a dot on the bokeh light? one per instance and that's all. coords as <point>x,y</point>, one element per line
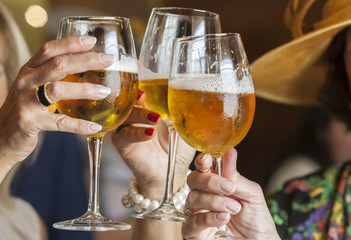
<point>36,16</point>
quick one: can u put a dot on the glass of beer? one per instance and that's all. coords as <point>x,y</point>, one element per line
<point>114,36</point>
<point>211,97</point>
<point>165,24</point>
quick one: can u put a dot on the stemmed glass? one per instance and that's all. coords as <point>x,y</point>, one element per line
<point>211,97</point>
<point>166,24</point>
<point>113,36</point>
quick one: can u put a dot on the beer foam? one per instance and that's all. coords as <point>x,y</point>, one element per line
<point>221,83</point>
<point>125,64</point>
<point>147,74</point>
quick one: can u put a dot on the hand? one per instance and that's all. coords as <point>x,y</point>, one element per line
<point>23,117</point>
<point>229,199</point>
<point>145,151</point>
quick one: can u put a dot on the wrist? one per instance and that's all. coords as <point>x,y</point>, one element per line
<point>141,203</point>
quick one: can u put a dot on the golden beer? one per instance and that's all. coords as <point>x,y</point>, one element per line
<point>211,122</point>
<point>156,95</point>
<point>109,112</point>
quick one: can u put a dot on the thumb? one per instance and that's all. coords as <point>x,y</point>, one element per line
<point>245,189</point>
<point>229,164</point>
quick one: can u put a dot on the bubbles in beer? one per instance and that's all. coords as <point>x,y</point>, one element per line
<point>226,82</point>
<point>147,74</point>
<point>125,64</point>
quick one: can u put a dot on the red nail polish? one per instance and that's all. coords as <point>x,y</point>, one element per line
<point>153,116</point>
<point>149,131</point>
<point>140,93</point>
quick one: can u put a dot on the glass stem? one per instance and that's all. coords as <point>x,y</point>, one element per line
<point>94,147</point>
<point>172,143</point>
<point>218,166</point>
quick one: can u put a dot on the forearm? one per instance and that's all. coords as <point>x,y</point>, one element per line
<point>156,230</point>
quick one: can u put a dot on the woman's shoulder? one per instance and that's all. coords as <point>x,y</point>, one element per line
<point>326,178</point>
<point>18,219</point>
<point>313,202</point>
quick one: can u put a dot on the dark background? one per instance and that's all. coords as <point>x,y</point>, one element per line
<point>262,28</point>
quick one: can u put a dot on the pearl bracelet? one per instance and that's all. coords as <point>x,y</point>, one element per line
<point>141,204</point>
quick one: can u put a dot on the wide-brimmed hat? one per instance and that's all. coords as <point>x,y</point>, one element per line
<point>294,72</point>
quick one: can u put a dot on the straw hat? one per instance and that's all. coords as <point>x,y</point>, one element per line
<point>294,72</point>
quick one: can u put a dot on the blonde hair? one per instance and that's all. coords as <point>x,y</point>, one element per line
<point>18,214</point>
<point>16,50</point>
<point>16,54</point>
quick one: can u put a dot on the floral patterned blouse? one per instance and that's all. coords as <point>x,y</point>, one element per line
<point>317,206</point>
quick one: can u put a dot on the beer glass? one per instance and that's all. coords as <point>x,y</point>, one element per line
<point>113,36</point>
<point>211,97</point>
<point>164,25</point>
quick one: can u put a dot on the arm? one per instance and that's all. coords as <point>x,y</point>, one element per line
<point>157,230</point>
<point>23,117</point>
<point>147,157</point>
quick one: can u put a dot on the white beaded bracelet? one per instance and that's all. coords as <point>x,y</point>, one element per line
<point>141,204</point>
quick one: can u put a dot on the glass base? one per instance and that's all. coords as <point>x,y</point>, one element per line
<point>166,212</point>
<point>89,222</point>
<point>223,234</point>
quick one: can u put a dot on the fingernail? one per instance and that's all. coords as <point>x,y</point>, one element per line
<point>222,216</point>
<point>149,131</point>
<point>93,127</point>
<point>108,58</point>
<point>201,159</point>
<point>153,116</point>
<point>233,206</point>
<point>140,93</point>
<point>88,40</point>
<point>227,186</point>
<point>103,91</point>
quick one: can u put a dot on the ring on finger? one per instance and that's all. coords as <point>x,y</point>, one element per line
<point>187,210</point>
<point>42,97</point>
<point>119,128</point>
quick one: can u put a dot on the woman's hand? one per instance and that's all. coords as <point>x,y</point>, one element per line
<point>23,117</point>
<point>142,142</point>
<point>228,199</point>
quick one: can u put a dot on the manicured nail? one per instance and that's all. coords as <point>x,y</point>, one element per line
<point>93,127</point>
<point>103,91</point>
<point>227,186</point>
<point>233,206</point>
<point>202,158</point>
<point>222,216</point>
<point>108,58</point>
<point>88,40</point>
<point>153,116</point>
<point>140,93</point>
<point>149,131</point>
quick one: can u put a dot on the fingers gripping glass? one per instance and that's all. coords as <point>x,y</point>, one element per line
<point>113,36</point>
<point>211,97</point>
<point>166,24</point>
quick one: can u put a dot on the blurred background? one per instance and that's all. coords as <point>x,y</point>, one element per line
<point>259,22</point>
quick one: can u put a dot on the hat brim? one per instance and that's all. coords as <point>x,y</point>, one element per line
<point>295,72</point>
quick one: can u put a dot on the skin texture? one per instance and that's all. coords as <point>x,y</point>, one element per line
<point>147,157</point>
<point>27,116</point>
<point>3,95</point>
<point>243,208</point>
<point>228,199</point>
<point>3,78</point>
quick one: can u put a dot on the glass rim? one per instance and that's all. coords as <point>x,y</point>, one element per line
<point>207,36</point>
<point>94,18</point>
<point>163,11</point>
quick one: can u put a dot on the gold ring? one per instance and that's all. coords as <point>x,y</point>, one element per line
<point>187,210</point>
